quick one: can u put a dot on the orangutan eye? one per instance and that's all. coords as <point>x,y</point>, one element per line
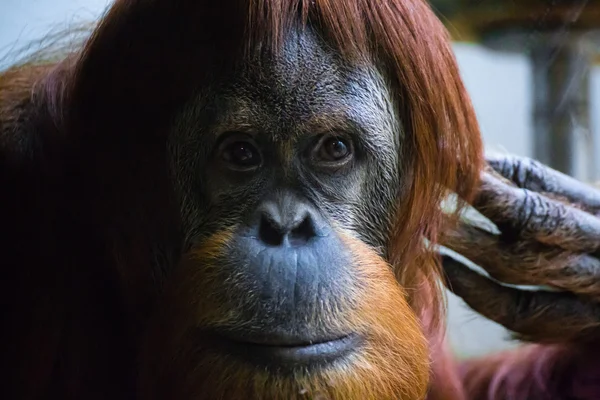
<point>333,150</point>
<point>241,154</point>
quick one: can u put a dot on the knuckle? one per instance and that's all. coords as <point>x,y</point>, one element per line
<point>535,214</point>
<point>526,172</point>
<point>506,167</point>
<point>525,210</point>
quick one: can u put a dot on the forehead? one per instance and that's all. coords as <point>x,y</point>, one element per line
<point>306,87</point>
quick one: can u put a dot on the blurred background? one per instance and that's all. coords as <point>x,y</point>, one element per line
<point>530,68</point>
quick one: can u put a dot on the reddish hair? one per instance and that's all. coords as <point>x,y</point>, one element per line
<point>443,150</point>
<point>534,372</point>
<point>118,96</point>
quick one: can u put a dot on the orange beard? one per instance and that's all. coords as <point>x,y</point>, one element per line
<point>393,362</point>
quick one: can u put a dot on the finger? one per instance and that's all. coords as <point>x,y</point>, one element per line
<point>535,176</point>
<point>523,213</point>
<point>526,263</point>
<point>538,316</point>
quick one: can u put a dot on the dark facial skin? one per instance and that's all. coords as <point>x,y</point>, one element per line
<point>283,156</point>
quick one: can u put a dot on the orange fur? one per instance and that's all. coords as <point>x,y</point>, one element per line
<point>393,364</point>
<point>87,118</point>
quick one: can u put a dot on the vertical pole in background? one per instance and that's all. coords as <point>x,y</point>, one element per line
<point>562,131</point>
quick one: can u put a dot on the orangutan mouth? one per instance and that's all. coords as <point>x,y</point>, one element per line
<point>288,352</point>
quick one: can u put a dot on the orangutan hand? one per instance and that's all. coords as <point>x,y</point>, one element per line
<point>549,227</point>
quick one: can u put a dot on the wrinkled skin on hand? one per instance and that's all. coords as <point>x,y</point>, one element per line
<point>549,227</point>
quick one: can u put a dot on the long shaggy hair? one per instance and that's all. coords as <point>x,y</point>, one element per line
<point>117,95</point>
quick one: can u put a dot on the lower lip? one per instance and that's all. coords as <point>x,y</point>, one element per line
<point>284,357</point>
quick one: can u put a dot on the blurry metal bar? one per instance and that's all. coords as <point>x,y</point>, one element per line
<point>558,36</point>
<point>562,136</point>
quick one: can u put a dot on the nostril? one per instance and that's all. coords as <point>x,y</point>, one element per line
<point>268,233</point>
<point>302,233</point>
